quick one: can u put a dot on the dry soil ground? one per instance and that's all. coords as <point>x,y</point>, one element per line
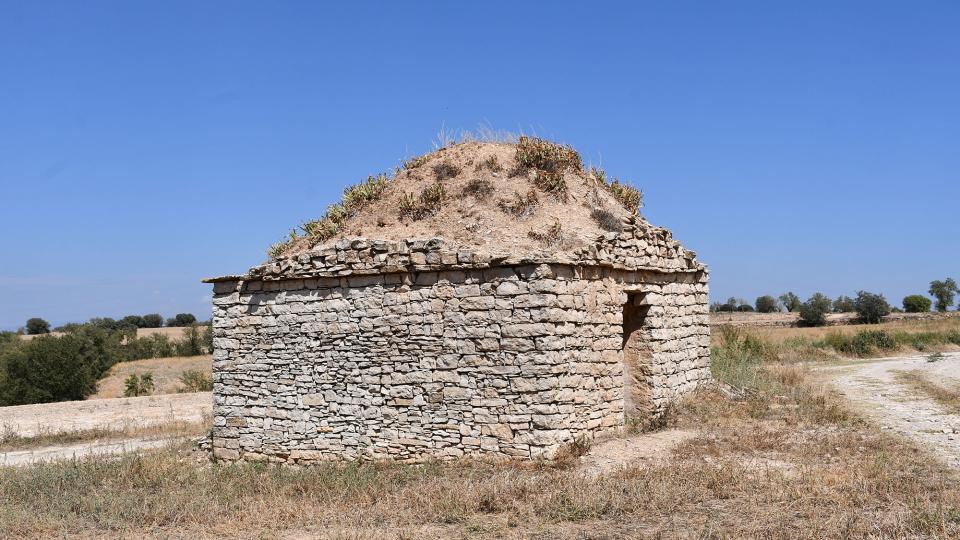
<point>30,433</point>
<point>901,394</point>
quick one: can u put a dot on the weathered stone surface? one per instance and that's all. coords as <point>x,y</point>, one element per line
<point>371,349</point>
<point>453,364</point>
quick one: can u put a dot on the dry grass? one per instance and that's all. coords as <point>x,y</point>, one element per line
<point>520,206</point>
<point>781,334</point>
<point>855,341</point>
<point>478,188</point>
<point>947,397</point>
<point>10,440</point>
<point>166,374</point>
<point>785,460</point>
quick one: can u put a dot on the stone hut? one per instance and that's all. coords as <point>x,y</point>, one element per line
<point>409,326</point>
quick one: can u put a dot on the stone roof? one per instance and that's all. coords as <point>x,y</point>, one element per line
<point>568,214</point>
<point>639,246</point>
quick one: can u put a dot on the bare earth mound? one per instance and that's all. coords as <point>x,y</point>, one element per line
<point>533,196</point>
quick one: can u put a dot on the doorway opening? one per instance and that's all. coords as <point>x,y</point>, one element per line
<point>638,406</point>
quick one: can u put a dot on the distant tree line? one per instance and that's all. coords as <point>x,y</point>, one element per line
<point>36,325</point>
<point>67,366</point>
<point>869,307</point>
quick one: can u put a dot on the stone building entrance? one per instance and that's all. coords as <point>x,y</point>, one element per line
<point>637,357</point>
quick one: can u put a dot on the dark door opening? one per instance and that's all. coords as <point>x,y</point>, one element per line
<point>637,358</point>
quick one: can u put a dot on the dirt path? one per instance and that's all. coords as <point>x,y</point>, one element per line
<point>615,453</point>
<point>874,389</point>
<point>47,418</point>
<point>69,451</point>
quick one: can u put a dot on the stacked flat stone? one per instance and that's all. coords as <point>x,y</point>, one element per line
<point>412,350</point>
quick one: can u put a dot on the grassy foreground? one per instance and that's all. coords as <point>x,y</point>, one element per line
<point>785,460</point>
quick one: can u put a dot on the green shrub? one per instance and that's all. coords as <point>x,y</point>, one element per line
<point>182,319</point>
<point>767,304</point>
<point>814,311</point>
<point>195,381</point>
<point>132,320</point>
<point>37,326</point>
<point>152,320</point>
<point>152,346</point>
<point>57,368</point>
<point>862,343</point>
<point>138,385</point>
<point>917,303</point>
<point>871,308</point>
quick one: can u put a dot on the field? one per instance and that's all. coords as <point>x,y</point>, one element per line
<point>172,333</point>
<point>166,374</point>
<point>783,448</point>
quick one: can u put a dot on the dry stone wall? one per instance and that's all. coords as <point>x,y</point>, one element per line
<point>639,246</point>
<point>508,359</point>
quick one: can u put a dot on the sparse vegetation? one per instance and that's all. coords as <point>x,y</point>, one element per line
<point>946,396</point>
<point>543,155</point>
<point>415,162</point>
<point>599,175</point>
<point>428,203</point>
<point>552,237</point>
<point>552,183</point>
<point>478,188</point>
<point>445,170</point>
<point>630,197</point>
<point>521,206</point>
<point>330,224</point>
<point>138,385</point>
<point>607,220</point>
<point>195,381</point>
<point>491,163</point>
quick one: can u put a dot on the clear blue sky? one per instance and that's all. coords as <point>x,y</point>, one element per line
<point>143,146</point>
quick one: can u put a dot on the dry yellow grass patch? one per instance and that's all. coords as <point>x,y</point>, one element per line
<point>782,335</point>
<point>166,373</point>
<point>10,440</point>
